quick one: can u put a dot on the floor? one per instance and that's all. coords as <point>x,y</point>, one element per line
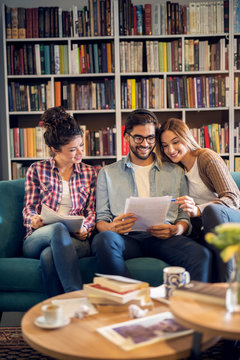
<point>11,318</point>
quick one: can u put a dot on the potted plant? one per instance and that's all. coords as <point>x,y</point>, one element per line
<point>227,239</point>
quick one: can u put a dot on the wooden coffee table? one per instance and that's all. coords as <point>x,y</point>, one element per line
<point>80,340</point>
<point>205,318</point>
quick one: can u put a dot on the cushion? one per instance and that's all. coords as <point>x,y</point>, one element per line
<point>20,274</point>
<point>12,230</point>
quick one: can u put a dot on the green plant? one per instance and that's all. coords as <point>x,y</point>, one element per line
<point>227,239</point>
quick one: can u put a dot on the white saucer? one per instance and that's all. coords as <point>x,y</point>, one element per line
<point>41,323</point>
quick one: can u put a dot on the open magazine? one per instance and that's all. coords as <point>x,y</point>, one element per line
<point>73,223</point>
<point>132,334</point>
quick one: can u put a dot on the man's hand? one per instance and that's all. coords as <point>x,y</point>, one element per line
<point>188,204</point>
<point>36,222</point>
<point>82,234</point>
<point>166,231</point>
<point>123,223</point>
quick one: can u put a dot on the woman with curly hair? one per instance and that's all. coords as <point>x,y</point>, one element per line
<point>67,186</point>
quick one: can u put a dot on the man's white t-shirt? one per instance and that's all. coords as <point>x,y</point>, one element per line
<point>142,179</point>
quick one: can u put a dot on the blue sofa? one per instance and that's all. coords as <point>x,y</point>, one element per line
<point>20,278</point>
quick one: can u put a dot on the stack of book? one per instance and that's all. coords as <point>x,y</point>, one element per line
<point>111,290</point>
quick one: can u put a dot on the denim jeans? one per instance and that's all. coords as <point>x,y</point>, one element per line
<point>111,249</point>
<point>58,254</point>
<point>213,215</point>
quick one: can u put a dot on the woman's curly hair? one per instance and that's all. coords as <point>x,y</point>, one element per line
<point>60,127</point>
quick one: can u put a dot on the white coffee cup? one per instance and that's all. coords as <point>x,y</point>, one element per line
<point>52,313</point>
<point>174,277</point>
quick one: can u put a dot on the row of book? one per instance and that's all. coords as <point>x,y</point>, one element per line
<point>213,136</point>
<point>92,58</point>
<point>205,55</point>
<point>237,53</point>
<point>87,95</point>
<point>145,93</point>
<point>100,142</point>
<point>28,143</point>
<point>236,15</point>
<point>44,22</point>
<point>31,97</point>
<point>197,91</point>
<point>39,59</point>
<point>205,17</point>
<point>237,90</point>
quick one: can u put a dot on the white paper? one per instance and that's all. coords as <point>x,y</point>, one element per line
<point>158,294</point>
<point>70,306</point>
<point>73,223</point>
<point>120,278</point>
<point>149,211</point>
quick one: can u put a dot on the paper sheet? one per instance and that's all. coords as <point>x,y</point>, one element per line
<point>149,211</point>
<point>49,216</point>
<point>71,305</point>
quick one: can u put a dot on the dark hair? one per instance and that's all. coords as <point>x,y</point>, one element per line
<point>60,127</point>
<point>140,117</point>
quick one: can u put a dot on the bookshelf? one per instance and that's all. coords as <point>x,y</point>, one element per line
<point>167,63</point>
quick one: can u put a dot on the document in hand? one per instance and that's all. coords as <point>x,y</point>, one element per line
<point>49,216</point>
<point>149,211</point>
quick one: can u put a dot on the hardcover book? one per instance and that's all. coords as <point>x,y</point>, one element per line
<point>205,292</point>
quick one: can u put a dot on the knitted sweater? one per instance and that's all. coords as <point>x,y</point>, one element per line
<point>216,176</point>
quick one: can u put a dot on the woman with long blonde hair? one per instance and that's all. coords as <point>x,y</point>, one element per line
<point>214,197</point>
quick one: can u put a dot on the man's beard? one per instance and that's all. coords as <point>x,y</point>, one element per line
<point>134,151</point>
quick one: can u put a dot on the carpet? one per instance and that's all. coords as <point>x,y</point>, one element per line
<point>13,347</point>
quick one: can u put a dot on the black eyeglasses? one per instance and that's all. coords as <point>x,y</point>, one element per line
<point>138,139</point>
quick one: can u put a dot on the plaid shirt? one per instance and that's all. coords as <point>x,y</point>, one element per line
<point>43,185</point>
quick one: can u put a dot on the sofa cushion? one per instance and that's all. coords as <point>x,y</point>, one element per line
<point>147,269</point>
<point>11,221</point>
<point>20,274</point>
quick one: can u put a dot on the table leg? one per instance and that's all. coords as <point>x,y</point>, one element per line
<point>196,346</point>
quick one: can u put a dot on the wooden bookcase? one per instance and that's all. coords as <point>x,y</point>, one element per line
<point>134,77</point>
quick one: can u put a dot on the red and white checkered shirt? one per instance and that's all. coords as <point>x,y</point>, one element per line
<point>43,185</point>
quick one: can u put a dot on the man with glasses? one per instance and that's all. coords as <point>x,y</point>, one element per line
<point>140,174</point>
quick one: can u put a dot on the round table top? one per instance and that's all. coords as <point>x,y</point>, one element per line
<point>207,318</point>
<point>80,340</point>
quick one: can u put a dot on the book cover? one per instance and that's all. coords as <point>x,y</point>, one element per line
<point>120,284</point>
<point>206,292</point>
<point>132,334</point>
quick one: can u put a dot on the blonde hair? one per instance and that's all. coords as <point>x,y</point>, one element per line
<point>179,128</point>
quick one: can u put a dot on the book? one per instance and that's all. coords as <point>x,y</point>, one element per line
<point>121,298</point>
<point>132,334</point>
<point>73,223</point>
<point>206,292</point>
<point>119,283</point>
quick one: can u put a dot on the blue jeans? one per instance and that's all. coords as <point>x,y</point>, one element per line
<point>213,215</point>
<point>111,249</point>
<point>58,254</point>
<point>216,214</point>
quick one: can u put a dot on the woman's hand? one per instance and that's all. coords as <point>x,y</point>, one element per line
<point>82,234</point>
<point>188,204</point>
<point>36,222</point>
<point>123,223</point>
